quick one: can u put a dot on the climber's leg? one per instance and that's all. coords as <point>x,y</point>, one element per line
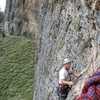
<point>62,96</point>
<point>63,93</point>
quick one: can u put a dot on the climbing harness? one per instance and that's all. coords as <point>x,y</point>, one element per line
<point>62,91</point>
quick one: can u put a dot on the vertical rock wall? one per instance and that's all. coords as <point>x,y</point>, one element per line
<point>20,17</point>
<point>66,28</point>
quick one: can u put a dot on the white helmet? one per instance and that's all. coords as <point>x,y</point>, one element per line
<point>66,60</point>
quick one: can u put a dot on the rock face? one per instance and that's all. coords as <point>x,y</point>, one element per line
<point>66,28</point>
<point>20,17</point>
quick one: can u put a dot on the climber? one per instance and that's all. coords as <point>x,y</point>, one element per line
<point>64,84</point>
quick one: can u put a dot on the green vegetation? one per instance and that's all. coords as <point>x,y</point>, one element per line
<point>1,16</point>
<point>1,23</point>
<point>16,68</point>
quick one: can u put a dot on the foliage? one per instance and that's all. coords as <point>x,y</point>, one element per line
<point>1,16</point>
<point>1,23</point>
<point>16,68</point>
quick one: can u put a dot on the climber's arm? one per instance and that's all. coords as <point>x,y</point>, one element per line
<point>83,71</point>
<point>76,74</point>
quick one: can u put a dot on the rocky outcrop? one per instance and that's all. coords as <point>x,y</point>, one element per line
<point>20,17</point>
<point>66,28</point>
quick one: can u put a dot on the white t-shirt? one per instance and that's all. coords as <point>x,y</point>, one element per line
<point>63,74</point>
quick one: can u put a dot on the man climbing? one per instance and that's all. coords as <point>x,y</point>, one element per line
<point>63,78</point>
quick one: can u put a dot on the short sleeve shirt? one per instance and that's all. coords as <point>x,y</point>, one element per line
<point>63,74</point>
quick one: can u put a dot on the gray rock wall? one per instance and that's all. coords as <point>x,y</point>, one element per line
<point>20,17</point>
<point>66,28</point>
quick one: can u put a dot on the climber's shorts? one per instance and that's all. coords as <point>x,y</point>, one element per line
<point>63,93</point>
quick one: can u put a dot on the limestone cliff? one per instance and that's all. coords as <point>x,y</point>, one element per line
<point>66,28</point>
<point>20,17</point>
